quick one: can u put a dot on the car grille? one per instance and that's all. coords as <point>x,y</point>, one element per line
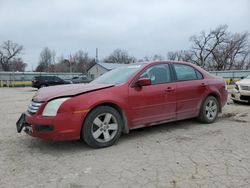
<point>245,98</point>
<point>34,106</point>
<point>245,88</point>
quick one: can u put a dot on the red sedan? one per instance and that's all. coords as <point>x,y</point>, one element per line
<point>126,98</point>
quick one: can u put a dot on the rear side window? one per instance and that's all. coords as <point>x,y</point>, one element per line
<point>199,75</point>
<point>185,72</point>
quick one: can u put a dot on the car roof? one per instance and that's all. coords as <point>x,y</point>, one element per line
<point>145,63</point>
<point>156,62</point>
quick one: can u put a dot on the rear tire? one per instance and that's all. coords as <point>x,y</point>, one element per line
<point>209,110</point>
<point>102,127</point>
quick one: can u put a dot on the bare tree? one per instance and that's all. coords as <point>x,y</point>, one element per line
<point>156,57</point>
<point>8,52</point>
<point>77,62</point>
<point>204,44</point>
<point>217,50</point>
<point>17,64</point>
<point>247,62</point>
<point>182,55</point>
<point>82,61</point>
<point>46,61</point>
<point>62,65</point>
<point>119,56</point>
<point>232,53</point>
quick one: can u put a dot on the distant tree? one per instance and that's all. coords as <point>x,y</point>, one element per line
<point>204,44</point>
<point>62,65</point>
<point>77,62</point>
<point>156,57</point>
<point>182,55</point>
<point>46,60</point>
<point>17,64</point>
<point>9,54</point>
<point>119,56</point>
<point>217,50</point>
<point>232,53</point>
<point>82,61</point>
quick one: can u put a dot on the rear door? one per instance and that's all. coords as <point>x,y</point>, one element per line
<point>48,80</point>
<point>156,102</point>
<point>190,89</point>
<point>57,80</point>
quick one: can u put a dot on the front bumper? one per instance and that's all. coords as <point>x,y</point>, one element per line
<point>241,96</point>
<point>65,126</point>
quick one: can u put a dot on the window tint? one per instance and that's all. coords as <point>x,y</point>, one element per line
<point>158,74</point>
<point>50,78</point>
<point>185,72</point>
<point>57,78</point>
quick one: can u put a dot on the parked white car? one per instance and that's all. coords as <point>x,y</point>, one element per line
<point>241,91</point>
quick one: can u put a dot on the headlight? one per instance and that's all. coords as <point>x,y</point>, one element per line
<point>52,107</point>
<point>236,86</point>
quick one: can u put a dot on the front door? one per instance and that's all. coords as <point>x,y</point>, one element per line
<point>156,102</point>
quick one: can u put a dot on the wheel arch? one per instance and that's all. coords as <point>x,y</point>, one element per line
<point>215,95</point>
<point>125,128</point>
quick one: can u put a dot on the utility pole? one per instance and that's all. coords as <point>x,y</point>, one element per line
<point>96,55</point>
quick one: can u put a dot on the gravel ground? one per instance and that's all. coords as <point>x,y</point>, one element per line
<point>181,154</point>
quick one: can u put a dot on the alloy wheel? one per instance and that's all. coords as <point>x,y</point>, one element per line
<point>211,109</point>
<point>104,127</point>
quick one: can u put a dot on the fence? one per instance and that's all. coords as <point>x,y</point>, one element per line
<point>11,79</point>
<point>24,78</point>
<point>232,74</point>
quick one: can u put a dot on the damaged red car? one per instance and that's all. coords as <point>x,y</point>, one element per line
<point>132,96</point>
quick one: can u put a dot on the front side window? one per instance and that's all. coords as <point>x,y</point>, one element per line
<point>158,74</point>
<point>185,72</point>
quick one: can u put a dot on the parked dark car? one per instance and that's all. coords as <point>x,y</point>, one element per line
<point>81,79</point>
<point>44,81</point>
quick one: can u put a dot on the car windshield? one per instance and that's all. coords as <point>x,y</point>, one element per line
<point>118,75</point>
<point>248,77</point>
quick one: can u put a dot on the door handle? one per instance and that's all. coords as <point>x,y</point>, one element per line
<point>203,85</point>
<point>169,89</point>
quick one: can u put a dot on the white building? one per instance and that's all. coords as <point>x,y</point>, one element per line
<point>99,69</point>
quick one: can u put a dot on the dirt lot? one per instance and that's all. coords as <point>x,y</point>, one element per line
<point>183,154</point>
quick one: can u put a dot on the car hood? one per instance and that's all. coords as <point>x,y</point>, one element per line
<point>244,81</point>
<point>48,93</point>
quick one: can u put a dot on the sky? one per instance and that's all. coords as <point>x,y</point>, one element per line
<point>141,27</point>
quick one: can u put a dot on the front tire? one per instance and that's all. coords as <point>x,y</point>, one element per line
<point>102,127</point>
<point>209,110</point>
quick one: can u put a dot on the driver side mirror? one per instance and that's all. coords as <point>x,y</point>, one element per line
<point>143,82</point>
